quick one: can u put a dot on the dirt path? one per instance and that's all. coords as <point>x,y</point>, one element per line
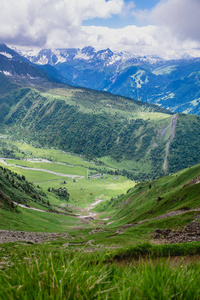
<point>45,211</point>
<point>123,228</point>
<point>8,236</point>
<point>97,201</point>
<point>2,160</point>
<point>88,217</point>
<point>91,215</point>
<point>171,136</point>
<point>28,207</point>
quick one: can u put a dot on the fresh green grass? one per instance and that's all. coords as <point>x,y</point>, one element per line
<point>149,200</point>
<point>30,220</point>
<point>133,166</point>
<point>54,167</point>
<point>35,176</point>
<point>84,192</point>
<point>50,154</point>
<point>35,272</point>
<point>97,103</point>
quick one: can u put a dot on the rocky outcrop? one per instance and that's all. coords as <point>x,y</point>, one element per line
<point>7,236</point>
<point>190,233</point>
<point>169,141</point>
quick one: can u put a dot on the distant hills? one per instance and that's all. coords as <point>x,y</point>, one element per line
<point>172,84</point>
<point>140,139</point>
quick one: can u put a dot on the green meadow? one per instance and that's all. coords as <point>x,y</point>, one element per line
<point>100,258</point>
<point>48,272</point>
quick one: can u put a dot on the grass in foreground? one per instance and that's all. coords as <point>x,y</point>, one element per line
<point>60,274</point>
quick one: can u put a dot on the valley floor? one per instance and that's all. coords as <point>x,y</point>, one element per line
<point>112,239</point>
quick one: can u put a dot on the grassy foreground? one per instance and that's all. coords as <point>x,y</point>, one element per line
<point>38,272</point>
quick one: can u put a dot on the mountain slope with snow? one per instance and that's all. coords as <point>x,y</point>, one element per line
<point>172,84</point>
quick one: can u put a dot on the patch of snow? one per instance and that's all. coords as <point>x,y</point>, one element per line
<point>195,102</point>
<point>171,95</point>
<point>7,73</point>
<point>6,54</point>
<point>187,111</point>
<point>113,59</point>
<point>166,97</point>
<point>28,75</point>
<point>60,57</point>
<point>81,55</point>
<point>26,53</point>
<point>43,60</point>
<point>163,71</point>
<point>137,78</point>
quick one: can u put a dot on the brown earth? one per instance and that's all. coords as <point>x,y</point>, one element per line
<point>7,236</point>
<point>190,233</point>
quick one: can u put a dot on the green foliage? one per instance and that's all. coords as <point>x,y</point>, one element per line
<point>44,274</point>
<point>54,122</point>
<point>99,125</point>
<point>156,251</point>
<point>60,192</point>
<point>169,193</point>
<point>14,187</point>
<point>186,145</point>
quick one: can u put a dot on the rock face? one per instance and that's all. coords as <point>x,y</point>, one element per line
<point>7,236</point>
<point>190,233</point>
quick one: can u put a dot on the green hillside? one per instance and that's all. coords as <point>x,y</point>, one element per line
<point>119,131</point>
<point>15,189</point>
<point>127,213</point>
<point>177,193</point>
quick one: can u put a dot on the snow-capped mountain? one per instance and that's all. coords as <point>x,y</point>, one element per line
<point>17,66</point>
<point>173,84</point>
<point>14,65</point>
<point>88,54</point>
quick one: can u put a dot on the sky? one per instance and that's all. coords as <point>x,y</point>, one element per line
<point>164,28</point>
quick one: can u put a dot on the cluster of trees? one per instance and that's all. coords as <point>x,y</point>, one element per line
<point>60,192</point>
<point>19,189</point>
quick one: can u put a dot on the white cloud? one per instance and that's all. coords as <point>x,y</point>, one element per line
<point>58,24</point>
<point>146,40</point>
<point>28,22</point>
<point>182,17</point>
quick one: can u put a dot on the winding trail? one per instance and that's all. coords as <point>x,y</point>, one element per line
<point>169,214</point>
<point>2,160</point>
<point>91,206</point>
<point>29,207</point>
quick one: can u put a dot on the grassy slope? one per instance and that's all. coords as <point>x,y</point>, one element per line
<point>16,188</point>
<point>88,122</point>
<point>137,204</point>
<point>122,132</point>
<point>82,192</point>
<point>142,202</point>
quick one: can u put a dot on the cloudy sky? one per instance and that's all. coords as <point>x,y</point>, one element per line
<point>165,28</point>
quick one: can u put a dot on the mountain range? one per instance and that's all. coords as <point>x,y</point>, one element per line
<point>172,84</point>
<point>141,139</point>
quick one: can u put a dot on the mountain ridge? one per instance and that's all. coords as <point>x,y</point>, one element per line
<point>132,134</point>
<point>172,84</point>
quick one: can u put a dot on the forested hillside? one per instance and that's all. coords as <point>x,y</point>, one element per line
<point>99,125</point>
<point>142,140</point>
<point>16,189</point>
